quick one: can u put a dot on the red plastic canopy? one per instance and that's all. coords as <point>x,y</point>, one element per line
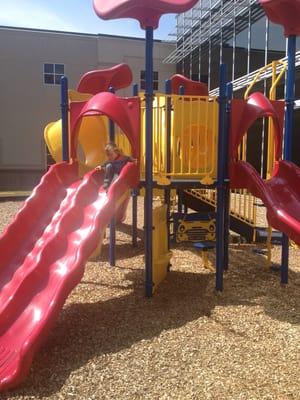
<point>190,87</point>
<point>245,113</point>
<point>285,13</point>
<point>125,112</point>
<point>93,82</point>
<point>147,12</point>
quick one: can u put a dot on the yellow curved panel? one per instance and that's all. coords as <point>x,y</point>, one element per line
<point>92,137</point>
<point>53,139</point>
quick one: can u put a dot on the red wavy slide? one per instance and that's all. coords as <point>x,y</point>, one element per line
<point>43,253</point>
<point>280,194</point>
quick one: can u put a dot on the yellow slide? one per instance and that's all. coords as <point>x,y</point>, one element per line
<point>92,137</point>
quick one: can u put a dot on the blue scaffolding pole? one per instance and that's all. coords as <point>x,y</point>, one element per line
<point>149,162</point>
<point>222,181</point>
<point>168,91</point>
<point>64,117</point>
<point>288,131</point>
<point>229,93</point>
<point>134,194</point>
<point>112,225</point>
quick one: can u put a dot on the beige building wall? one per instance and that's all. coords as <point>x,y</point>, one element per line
<point>112,51</point>
<point>27,104</point>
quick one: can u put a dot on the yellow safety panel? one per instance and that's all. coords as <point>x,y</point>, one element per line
<point>161,256</point>
<point>193,127</point>
<point>194,144</point>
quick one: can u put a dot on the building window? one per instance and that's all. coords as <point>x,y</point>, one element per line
<point>53,73</point>
<point>155,80</point>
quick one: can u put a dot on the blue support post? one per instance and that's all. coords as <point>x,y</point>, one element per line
<point>112,242</point>
<point>168,91</point>
<point>181,90</point>
<point>290,98</point>
<point>64,117</point>
<point>112,225</point>
<point>134,232</point>
<point>221,180</point>
<point>179,193</point>
<point>229,93</point>
<point>289,115</point>
<point>111,123</point>
<point>134,194</point>
<point>149,162</point>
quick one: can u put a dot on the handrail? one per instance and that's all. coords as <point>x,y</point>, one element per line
<point>276,77</point>
<point>274,66</point>
<point>272,96</point>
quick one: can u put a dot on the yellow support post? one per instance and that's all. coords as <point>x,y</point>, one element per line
<point>161,255</point>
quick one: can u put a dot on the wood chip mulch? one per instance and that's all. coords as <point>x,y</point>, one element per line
<point>187,342</point>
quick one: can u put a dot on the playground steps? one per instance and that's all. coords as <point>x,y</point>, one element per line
<point>236,225</point>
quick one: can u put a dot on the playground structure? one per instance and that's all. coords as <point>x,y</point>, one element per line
<point>183,140</point>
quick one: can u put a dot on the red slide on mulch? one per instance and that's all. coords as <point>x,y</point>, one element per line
<point>280,194</point>
<point>43,253</point>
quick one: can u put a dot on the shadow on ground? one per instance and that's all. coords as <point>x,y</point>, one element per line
<point>124,249</point>
<point>87,330</point>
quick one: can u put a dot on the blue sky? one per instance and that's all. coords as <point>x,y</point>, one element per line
<point>72,15</point>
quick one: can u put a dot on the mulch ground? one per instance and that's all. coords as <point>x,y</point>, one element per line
<point>187,342</point>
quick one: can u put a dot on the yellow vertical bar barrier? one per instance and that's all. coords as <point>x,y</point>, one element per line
<point>198,135</point>
<point>174,140</point>
<point>159,165</point>
<point>183,110</point>
<point>193,137</point>
<point>190,101</point>
<point>206,130</point>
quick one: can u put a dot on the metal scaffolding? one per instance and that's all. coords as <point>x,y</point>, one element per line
<point>208,21</point>
<point>245,80</point>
